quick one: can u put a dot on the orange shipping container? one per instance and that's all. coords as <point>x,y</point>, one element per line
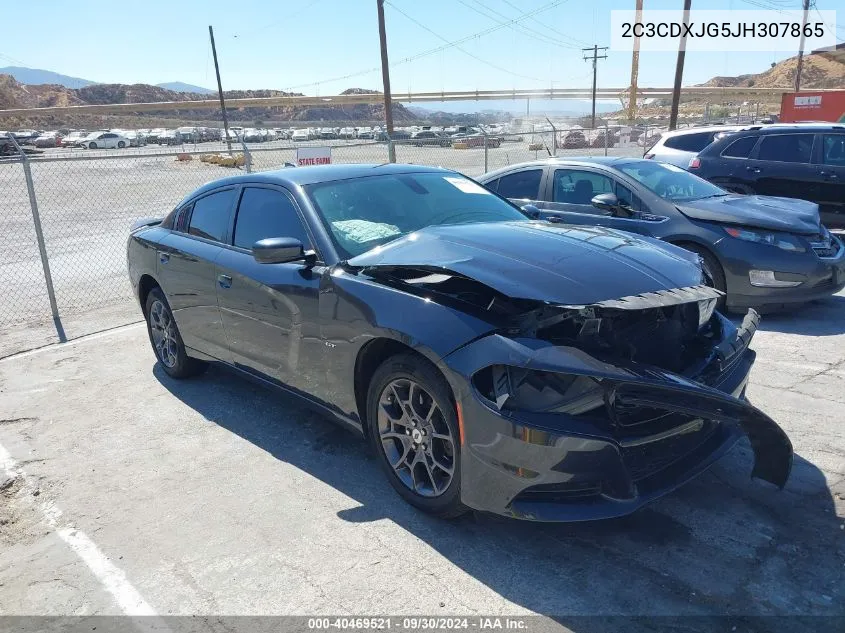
<point>813,106</point>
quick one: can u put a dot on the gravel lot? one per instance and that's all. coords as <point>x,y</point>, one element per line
<point>88,200</point>
<point>214,496</point>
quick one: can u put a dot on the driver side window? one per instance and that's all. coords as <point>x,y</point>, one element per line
<point>575,186</point>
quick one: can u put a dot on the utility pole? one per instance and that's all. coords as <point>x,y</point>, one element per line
<point>385,77</point>
<point>220,90</point>
<point>595,57</point>
<point>679,70</point>
<point>801,48</point>
<point>635,66</point>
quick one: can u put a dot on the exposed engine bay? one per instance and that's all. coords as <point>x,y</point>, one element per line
<point>672,330</point>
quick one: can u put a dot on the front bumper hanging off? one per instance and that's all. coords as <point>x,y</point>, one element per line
<point>559,467</point>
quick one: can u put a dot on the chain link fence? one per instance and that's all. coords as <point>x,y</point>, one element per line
<point>87,200</point>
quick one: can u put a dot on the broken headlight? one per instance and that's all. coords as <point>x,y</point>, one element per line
<point>518,389</point>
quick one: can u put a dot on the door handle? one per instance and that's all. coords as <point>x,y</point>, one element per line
<point>829,175</point>
<point>756,170</point>
<point>225,281</point>
<point>163,257</point>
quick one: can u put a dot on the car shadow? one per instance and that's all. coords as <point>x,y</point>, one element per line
<point>722,544</point>
<point>824,317</point>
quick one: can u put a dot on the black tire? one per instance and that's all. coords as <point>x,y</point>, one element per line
<point>121,144</point>
<point>713,270</point>
<point>447,504</point>
<point>92,146</point>
<point>175,362</point>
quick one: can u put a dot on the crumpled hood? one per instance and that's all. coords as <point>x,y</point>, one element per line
<point>765,212</point>
<point>558,264</point>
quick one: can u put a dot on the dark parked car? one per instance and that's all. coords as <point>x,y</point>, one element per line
<point>493,362</point>
<point>575,139</point>
<point>763,252</point>
<point>794,161</point>
<point>431,138</point>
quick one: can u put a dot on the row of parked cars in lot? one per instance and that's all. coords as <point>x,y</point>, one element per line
<point>545,342</point>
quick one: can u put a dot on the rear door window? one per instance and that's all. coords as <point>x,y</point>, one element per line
<point>690,142</point>
<point>786,148</point>
<point>210,217</point>
<point>522,185</point>
<point>833,150</point>
<point>740,148</point>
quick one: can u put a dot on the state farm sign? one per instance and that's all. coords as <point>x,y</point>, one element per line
<point>313,156</point>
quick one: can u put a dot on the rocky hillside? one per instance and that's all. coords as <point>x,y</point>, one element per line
<point>818,72</point>
<point>16,95</point>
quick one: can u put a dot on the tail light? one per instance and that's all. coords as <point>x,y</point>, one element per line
<point>694,163</point>
<point>648,156</point>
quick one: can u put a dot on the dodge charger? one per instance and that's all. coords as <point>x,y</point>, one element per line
<point>493,361</point>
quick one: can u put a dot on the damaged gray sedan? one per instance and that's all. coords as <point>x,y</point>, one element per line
<point>493,362</point>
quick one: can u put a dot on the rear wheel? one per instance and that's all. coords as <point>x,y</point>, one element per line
<point>166,340</point>
<point>412,426</point>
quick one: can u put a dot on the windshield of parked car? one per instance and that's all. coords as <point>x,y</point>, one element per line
<point>363,213</point>
<point>670,182</point>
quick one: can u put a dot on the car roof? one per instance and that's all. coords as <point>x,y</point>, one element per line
<point>576,161</point>
<point>785,127</point>
<point>697,130</point>
<point>296,176</point>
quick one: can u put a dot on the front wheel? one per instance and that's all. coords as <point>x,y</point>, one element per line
<point>121,144</point>
<point>166,340</point>
<point>412,426</point>
<point>714,275</point>
<point>92,146</point>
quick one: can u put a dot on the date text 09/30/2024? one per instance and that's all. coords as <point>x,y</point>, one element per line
<point>418,623</point>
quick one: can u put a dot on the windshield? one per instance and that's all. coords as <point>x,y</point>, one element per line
<point>363,213</point>
<point>670,182</point>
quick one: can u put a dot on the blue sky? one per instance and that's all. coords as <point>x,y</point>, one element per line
<point>302,44</point>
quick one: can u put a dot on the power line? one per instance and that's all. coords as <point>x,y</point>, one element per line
<point>279,21</point>
<point>519,28</point>
<point>550,28</point>
<point>432,51</point>
<point>464,51</point>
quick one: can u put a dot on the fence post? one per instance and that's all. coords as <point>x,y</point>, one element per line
<point>554,136</point>
<point>39,236</point>
<point>391,151</point>
<point>485,150</point>
<point>247,157</point>
<point>606,132</point>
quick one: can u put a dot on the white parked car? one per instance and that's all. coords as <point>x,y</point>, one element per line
<point>678,147</point>
<point>48,139</point>
<point>73,138</point>
<point>104,140</point>
<point>301,134</point>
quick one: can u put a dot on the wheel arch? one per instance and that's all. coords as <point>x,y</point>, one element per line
<point>371,355</point>
<point>145,284</point>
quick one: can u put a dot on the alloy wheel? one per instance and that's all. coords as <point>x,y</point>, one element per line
<point>163,329</point>
<point>415,438</point>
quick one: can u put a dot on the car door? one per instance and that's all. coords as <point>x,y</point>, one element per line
<point>780,166</point>
<point>831,180</point>
<point>270,311</point>
<point>186,269</point>
<point>520,187</point>
<point>570,190</point>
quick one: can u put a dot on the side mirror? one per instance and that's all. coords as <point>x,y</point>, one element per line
<point>607,202</point>
<point>531,211</point>
<point>278,250</point>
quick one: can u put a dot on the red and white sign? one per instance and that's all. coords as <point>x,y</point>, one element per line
<point>306,156</point>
